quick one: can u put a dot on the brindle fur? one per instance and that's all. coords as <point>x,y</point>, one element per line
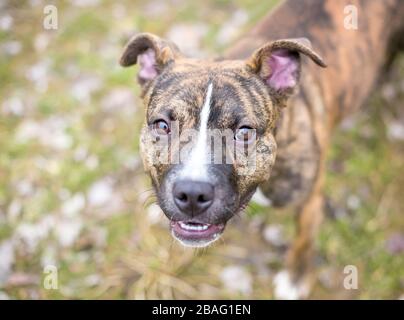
<point>302,131</point>
<point>178,94</point>
<point>356,60</point>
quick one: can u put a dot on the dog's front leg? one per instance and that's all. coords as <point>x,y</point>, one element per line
<point>297,280</point>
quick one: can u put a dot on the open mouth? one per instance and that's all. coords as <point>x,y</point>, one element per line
<point>195,234</point>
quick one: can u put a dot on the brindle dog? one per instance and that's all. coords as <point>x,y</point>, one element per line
<point>254,94</point>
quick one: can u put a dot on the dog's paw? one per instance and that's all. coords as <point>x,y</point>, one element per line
<point>286,289</point>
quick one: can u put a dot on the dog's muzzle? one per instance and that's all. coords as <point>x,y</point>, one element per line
<point>198,208</point>
<point>193,198</point>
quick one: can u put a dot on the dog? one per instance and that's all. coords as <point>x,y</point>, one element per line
<point>273,92</point>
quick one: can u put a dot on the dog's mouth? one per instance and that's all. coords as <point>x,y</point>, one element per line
<point>194,234</point>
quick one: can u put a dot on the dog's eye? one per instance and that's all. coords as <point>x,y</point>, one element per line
<point>245,134</point>
<point>161,127</point>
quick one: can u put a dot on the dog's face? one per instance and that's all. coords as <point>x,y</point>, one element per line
<point>208,139</point>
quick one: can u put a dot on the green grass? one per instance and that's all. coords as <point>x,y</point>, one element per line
<point>138,258</point>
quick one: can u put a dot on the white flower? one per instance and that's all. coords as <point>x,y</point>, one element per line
<point>50,132</point>
<point>6,22</point>
<point>13,106</point>
<point>92,280</point>
<point>85,3</point>
<point>80,153</point>
<point>38,74</point>
<point>41,41</point>
<point>48,257</point>
<point>6,260</point>
<point>353,202</point>
<point>236,279</point>
<point>154,213</point>
<point>14,210</point>
<point>231,28</point>
<point>83,88</point>
<point>11,48</point>
<point>119,98</point>
<point>73,206</point>
<point>260,198</point>
<point>67,231</point>
<point>395,131</point>
<point>32,233</point>
<point>188,37</point>
<point>4,296</point>
<point>24,187</point>
<point>274,235</point>
<point>92,162</point>
<point>100,193</point>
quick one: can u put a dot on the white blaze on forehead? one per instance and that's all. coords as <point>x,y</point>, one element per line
<point>195,167</point>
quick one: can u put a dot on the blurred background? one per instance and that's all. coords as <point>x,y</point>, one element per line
<point>72,189</point>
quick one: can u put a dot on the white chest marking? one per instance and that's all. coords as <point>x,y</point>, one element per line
<point>260,198</point>
<point>195,165</point>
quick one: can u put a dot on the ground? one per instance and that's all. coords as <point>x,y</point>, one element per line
<point>72,189</point>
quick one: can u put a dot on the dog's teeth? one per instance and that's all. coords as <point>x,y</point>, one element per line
<point>193,227</point>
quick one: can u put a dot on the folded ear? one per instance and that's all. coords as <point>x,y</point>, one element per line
<point>151,52</point>
<point>278,63</point>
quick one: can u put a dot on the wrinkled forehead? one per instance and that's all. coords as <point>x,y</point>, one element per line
<point>237,95</point>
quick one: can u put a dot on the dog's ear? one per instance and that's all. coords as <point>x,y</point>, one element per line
<point>151,52</point>
<point>278,63</point>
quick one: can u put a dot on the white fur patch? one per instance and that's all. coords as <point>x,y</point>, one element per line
<point>195,244</point>
<point>195,165</point>
<point>285,289</point>
<point>261,199</point>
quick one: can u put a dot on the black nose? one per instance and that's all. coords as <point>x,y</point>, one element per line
<point>193,197</point>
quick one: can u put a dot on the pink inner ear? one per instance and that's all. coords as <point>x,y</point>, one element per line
<point>284,66</point>
<point>147,63</point>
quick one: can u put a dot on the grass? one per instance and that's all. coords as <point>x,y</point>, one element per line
<point>121,249</point>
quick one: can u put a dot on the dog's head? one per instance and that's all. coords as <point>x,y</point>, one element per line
<point>208,139</point>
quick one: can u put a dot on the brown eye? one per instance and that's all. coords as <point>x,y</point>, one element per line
<point>245,134</point>
<point>161,127</point>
